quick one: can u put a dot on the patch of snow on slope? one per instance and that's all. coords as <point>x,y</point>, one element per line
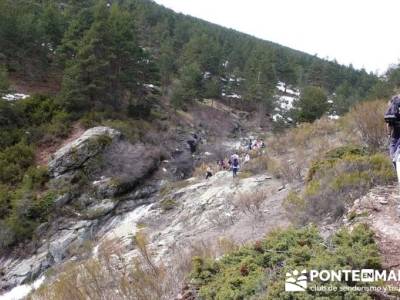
<point>285,99</point>
<point>334,117</point>
<point>234,96</point>
<point>283,87</point>
<point>13,97</point>
<point>286,102</point>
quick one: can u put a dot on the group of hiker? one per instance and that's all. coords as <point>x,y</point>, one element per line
<point>225,165</point>
<point>233,162</point>
<point>256,144</point>
<point>392,118</point>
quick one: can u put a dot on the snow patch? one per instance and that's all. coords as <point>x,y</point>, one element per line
<point>206,75</point>
<point>334,117</point>
<point>234,96</point>
<point>286,102</point>
<point>13,97</point>
<point>277,117</point>
<point>283,87</point>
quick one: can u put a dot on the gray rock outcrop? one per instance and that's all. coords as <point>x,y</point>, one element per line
<point>75,154</point>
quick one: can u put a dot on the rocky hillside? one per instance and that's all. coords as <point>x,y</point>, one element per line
<point>112,113</point>
<point>121,194</point>
<point>118,213</point>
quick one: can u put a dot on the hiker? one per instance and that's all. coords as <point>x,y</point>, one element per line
<point>208,173</point>
<point>223,165</point>
<point>247,158</point>
<point>250,144</point>
<point>235,164</point>
<point>392,118</point>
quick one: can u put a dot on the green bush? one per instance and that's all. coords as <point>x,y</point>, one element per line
<point>32,120</point>
<point>25,206</point>
<point>14,161</point>
<point>259,270</point>
<point>133,130</point>
<point>5,201</point>
<point>35,178</point>
<point>331,157</point>
<point>341,176</point>
<point>4,83</point>
<point>27,211</point>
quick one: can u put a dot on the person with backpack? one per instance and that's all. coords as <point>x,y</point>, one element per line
<point>235,164</point>
<point>392,119</point>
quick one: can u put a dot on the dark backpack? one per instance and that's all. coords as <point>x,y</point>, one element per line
<point>392,114</point>
<point>235,162</point>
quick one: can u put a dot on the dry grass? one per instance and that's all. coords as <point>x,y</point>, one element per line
<point>303,136</point>
<point>250,203</point>
<point>111,275</point>
<point>289,170</point>
<point>257,164</point>
<point>365,121</point>
<point>291,152</point>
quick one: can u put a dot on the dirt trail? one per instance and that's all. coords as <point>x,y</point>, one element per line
<point>45,151</point>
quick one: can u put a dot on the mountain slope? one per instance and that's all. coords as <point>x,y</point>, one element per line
<point>168,46</point>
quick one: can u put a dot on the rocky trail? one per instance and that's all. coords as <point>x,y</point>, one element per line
<point>205,211</point>
<point>380,209</point>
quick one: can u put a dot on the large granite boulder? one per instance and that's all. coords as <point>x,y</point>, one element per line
<point>78,152</point>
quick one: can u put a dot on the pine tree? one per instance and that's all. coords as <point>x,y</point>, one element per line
<point>313,103</point>
<point>4,84</point>
<point>260,80</point>
<point>166,63</point>
<point>203,50</point>
<point>109,67</point>
<point>285,68</point>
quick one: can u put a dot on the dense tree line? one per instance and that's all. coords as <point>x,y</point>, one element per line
<point>106,50</point>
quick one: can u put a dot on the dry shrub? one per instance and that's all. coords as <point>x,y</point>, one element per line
<point>250,203</point>
<point>303,135</point>
<point>336,180</point>
<point>222,220</point>
<point>366,121</point>
<point>111,275</point>
<point>288,171</point>
<point>257,164</point>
